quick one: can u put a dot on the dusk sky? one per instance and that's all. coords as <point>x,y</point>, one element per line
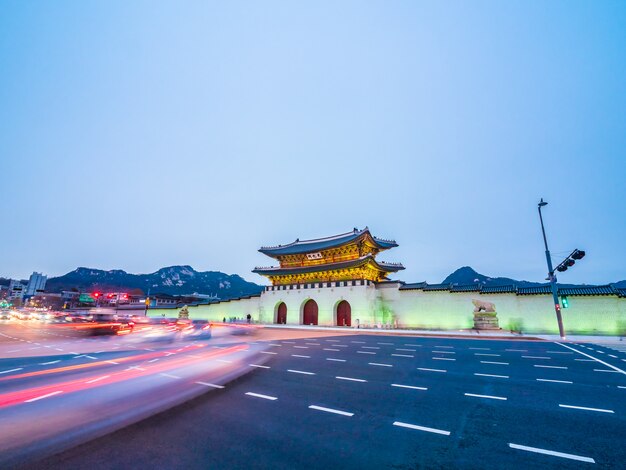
<point>136,135</point>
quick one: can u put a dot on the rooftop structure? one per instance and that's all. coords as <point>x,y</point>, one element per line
<point>347,256</point>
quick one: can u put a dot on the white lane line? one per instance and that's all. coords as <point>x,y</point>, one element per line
<point>289,342</point>
<point>148,349</point>
<point>403,355</point>
<point>486,354</point>
<point>553,453</point>
<point>517,350</point>
<point>481,349</point>
<point>206,384</point>
<point>491,375</point>
<point>412,387</point>
<point>585,360</point>
<point>403,349</point>
<point>11,370</point>
<point>449,347</point>
<point>341,345</point>
<point>170,376</point>
<point>358,342</point>
<point>17,350</point>
<point>112,362</point>
<point>379,364</point>
<point>336,360</point>
<point>586,408</point>
<point>258,395</point>
<point>135,368</point>
<point>485,396</point>
<point>98,379</point>
<point>421,428</point>
<point>415,345</point>
<point>370,347</point>
<point>365,352</point>
<point>431,370</point>
<point>350,379</point>
<point>274,344</point>
<point>444,352</point>
<point>606,370</point>
<point>551,367</point>
<point>313,344</point>
<point>300,372</point>
<point>90,357</point>
<point>330,410</point>
<point>267,352</point>
<point>559,352</point>
<point>613,356</point>
<point>43,396</point>
<point>536,357</point>
<point>333,340</point>
<point>621,386</point>
<point>555,381</point>
<point>48,363</point>
<point>330,349</point>
<point>58,349</point>
<point>300,355</point>
<point>301,347</point>
<point>260,366</point>
<point>493,362</point>
<point>224,360</point>
<point>443,359</point>
<point>386,344</point>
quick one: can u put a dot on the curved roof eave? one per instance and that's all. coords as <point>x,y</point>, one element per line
<point>385,267</point>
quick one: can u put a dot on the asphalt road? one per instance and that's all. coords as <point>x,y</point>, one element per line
<point>374,401</point>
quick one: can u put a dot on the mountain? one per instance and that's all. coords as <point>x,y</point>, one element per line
<point>173,280</point>
<point>467,275</point>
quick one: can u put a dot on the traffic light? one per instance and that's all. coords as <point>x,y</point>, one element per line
<point>578,254</point>
<point>570,260</point>
<point>565,302</point>
<point>97,294</point>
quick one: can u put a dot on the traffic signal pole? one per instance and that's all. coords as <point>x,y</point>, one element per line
<point>552,277</point>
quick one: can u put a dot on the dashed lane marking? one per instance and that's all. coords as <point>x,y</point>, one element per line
<point>370,347</point>
<point>170,376</point>
<point>336,360</point>
<point>365,352</point>
<point>606,370</point>
<point>591,357</point>
<point>330,349</point>
<point>491,397</point>
<point>585,360</point>
<point>301,347</point>
<point>300,355</point>
<point>154,360</point>
<point>403,349</point>
<point>98,379</point>
<point>206,384</point>
<point>413,387</point>
<point>600,410</point>
<point>493,362</point>
<point>517,350</point>
<point>552,452</point>
<point>443,352</point>
<point>351,379</point>
<point>536,357</point>
<point>431,370</point>
<point>258,395</point>
<point>444,359</point>
<point>358,342</point>
<point>259,366</point>
<point>300,372</point>
<point>481,349</point>
<point>403,355</point>
<point>492,375</point>
<point>330,410</point>
<point>267,352</point>
<point>415,345</point>
<point>289,342</point>
<point>43,396</point>
<point>386,344</point>
<point>334,340</point>
<point>449,347</point>
<point>487,354</point>
<point>379,364</point>
<point>50,362</point>
<point>313,344</point>
<point>112,362</point>
<point>421,428</point>
<point>226,361</point>
<point>555,381</point>
<point>551,367</point>
<point>11,370</point>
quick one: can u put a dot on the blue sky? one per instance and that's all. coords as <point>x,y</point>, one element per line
<point>136,135</point>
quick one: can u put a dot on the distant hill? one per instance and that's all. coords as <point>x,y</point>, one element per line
<point>173,280</point>
<point>467,275</point>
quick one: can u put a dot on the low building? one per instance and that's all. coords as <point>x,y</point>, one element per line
<point>337,281</point>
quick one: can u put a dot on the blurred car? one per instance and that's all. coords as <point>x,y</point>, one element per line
<point>4,315</point>
<point>198,331</point>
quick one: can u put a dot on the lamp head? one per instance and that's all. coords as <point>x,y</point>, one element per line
<point>542,203</point>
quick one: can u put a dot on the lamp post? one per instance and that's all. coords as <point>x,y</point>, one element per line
<point>551,276</point>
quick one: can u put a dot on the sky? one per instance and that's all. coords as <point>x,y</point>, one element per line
<point>141,134</point>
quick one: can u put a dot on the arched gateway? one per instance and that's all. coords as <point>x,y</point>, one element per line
<point>309,313</point>
<point>344,314</point>
<point>281,314</point>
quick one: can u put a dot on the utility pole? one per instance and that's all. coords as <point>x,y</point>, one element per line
<point>551,276</point>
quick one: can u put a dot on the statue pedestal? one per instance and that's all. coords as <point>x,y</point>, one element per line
<point>486,321</point>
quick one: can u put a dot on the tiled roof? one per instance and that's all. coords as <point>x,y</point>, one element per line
<point>621,291</point>
<point>467,288</point>
<point>498,290</point>
<point>413,286</point>
<point>434,287</point>
<point>364,260</point>
<point>318,244</point>
<point>534,290</point>
<point>587,290</point>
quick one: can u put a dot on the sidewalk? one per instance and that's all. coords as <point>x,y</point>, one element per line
<point>485,334</point>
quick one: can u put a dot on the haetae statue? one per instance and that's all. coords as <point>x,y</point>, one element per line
<point>485,316</point>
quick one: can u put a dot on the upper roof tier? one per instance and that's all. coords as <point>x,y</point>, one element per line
<point>319,244</point>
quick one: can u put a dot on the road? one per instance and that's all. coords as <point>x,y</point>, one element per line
<point>384,401</point>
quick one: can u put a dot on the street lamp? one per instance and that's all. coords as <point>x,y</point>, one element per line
<point>551,276</point>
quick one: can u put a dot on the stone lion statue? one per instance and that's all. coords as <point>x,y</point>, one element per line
<point>482,306</point>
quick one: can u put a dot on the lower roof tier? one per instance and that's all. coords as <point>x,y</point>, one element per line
<point>367,260</point>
